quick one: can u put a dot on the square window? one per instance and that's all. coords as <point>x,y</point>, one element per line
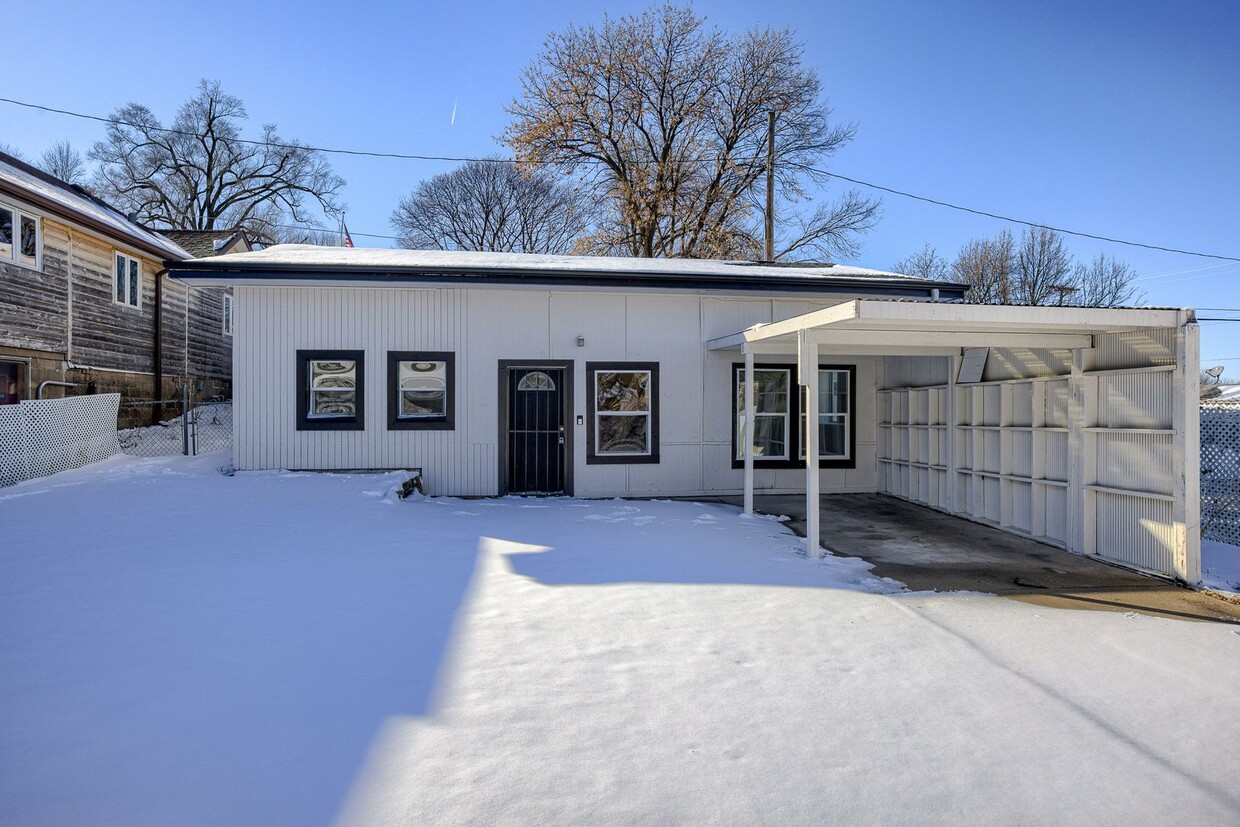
<point>330,390</point>
<point>421,390</point>
<point>623,403</point>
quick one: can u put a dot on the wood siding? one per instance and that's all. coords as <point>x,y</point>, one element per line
<point>484,326</point>
<point>67,311</point>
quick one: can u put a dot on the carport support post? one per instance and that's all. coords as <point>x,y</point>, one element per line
<point>1186,450</point>
<point>808,369</point>
<point>748,434</point>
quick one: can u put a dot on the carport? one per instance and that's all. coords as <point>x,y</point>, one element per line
<point>1076,427</point>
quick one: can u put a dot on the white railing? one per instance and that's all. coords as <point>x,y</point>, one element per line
<point>42,437</point>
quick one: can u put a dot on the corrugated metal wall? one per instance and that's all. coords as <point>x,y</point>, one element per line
<point>1091,456</point>
<point>484,326</point>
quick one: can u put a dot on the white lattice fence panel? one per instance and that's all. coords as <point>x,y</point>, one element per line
<point>1220,470</point>
<point>42,437</point>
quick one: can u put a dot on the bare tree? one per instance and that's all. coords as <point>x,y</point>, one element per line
<point>664,121</point>
<point>926,263</point>
<point>1105,282</point>
<point>988,266</point>
<point>1043,269</point>
<point>64,162</point>
<point>9,149</point>
<point>492,205</point>
<point>200,174</point>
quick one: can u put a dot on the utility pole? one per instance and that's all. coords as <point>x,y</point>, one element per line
<point>770,186</point>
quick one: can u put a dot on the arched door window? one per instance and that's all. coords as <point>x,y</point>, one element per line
<point>536,381</point>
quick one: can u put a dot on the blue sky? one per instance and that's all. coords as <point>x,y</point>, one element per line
<point>1116,118</point>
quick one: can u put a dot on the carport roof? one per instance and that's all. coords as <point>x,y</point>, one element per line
<point>892,326</point>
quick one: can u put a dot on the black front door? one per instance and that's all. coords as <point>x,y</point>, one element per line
<point>536,430</point>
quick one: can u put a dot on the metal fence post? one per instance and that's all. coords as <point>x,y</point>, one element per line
<point>185,419</point>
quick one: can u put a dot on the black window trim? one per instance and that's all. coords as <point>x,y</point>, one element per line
<point>357,422</point>
<point>447,422</point>
<point>794,417</point>
<point>593,458</point>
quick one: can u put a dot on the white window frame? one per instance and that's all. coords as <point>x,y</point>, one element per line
<point>15,255</point>
<point>129,262</point>
<point>786,415</point>
<point>828,416</point>
<point>228,319</point>
<point>650,453</point>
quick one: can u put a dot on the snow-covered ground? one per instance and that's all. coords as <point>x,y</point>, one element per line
<point>1220,566</point>
<point>182,647</point>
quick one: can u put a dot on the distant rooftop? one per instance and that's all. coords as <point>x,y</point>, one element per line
<point>205,243</point>
<point>25,182</point>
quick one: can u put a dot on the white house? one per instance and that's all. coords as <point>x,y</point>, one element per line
<point>506,373</point>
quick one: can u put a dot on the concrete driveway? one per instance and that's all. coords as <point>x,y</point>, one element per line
<point>929,550</point>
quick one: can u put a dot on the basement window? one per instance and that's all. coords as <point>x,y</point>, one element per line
<point>330,390</point>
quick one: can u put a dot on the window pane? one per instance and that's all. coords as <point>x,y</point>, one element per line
<point>833,391</point>
<point>325,374</point>
<point>6,233</point>
<point>771,395</point>
<point>832,436</point>
<point>623,435</point>
<point>622,391</point>
<point>333,403</point>
<point>30,239</point>
<point>120,278</point>
<point>770,437</point>
<point>135,282</point>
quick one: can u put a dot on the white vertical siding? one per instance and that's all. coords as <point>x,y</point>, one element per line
<point>484,326</point>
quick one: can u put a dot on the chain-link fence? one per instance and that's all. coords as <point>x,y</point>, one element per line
<point>192,427</point>
<point>1220,470</point>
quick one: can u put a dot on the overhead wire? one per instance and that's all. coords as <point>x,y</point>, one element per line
<point>852,180</point>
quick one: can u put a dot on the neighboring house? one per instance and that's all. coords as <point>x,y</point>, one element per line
<point>83,299</point>
<point>503,373</point>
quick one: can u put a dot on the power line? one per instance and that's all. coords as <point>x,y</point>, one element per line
<point>1034,224</point>
<point>421,157</point>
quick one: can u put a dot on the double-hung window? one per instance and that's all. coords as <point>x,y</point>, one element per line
<point>127,280</point>
<point>21,237</point>
<point>330,390</point>
<point>779,417</point>
<point>421,393</point>
<point>623,401</point>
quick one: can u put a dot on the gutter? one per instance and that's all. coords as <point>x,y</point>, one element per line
<point>575,278</point>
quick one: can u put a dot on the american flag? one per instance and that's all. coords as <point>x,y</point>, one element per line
<point>348,239</point>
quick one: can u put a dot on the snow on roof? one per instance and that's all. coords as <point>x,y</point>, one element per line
<point>77,204</point>
<point>286,256</point>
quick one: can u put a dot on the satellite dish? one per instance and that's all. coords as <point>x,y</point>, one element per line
<point>1215,371</point>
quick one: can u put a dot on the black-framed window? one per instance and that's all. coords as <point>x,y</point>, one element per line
<point>779,416</point>
<point>331,387</point>
<point>623,402</point>
<point>421,390</point>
